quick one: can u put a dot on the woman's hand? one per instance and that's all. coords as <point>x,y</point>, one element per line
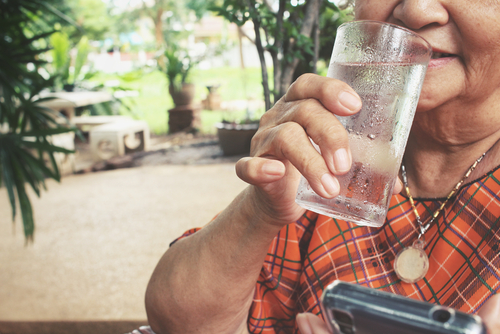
<point>309,323</point>
<point>490,313</point>
<point>281,149</point>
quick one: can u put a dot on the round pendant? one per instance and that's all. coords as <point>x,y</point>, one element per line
<point>411,264</point>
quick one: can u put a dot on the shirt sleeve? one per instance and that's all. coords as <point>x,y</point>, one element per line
<point>276,297</point>
<point>191,232</point>
<point>185,235</point>
<point>276,301</point>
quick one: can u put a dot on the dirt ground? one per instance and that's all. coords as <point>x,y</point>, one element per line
<point>175,149</point>
<point>100,234</point>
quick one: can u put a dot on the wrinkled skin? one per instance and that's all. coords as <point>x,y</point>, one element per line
<point>205,283</point>
<point>469,99</point>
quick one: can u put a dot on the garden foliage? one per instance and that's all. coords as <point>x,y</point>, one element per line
<point>26,151</point>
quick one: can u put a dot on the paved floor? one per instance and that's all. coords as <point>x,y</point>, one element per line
<point>98,237</point>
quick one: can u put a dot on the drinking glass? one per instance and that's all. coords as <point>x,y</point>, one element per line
<point>385,64</point>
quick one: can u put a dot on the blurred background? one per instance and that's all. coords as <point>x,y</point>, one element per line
<point>120,124</point>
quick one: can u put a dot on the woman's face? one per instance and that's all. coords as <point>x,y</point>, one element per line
<point>465,37</point>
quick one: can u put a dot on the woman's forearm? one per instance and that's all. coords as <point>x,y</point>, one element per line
<point>205,282</point>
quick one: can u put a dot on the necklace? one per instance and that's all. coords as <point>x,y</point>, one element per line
<point>412,263</point>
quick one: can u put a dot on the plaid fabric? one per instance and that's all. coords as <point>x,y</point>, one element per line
<point>462,245</point>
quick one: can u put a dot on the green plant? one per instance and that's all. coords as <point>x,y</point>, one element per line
<point>60,57</point>
<point>61,62</point>
<point>177,65</point>
<point>82,52</point>
<point>290,32</point>
<point>25,127</point>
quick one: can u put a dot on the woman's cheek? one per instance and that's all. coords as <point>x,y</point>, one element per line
<point>378,10</point>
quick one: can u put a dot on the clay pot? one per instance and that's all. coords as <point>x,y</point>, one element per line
<point>235,139</point>
<point>183,97</point>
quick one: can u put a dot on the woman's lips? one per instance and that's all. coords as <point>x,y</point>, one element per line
<point>441,59</point>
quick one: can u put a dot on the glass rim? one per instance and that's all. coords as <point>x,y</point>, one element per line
<point>395,26</point>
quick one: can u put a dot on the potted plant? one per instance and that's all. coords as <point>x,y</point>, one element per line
<point>235,137</point>
<point>177,65</point>
<point>62,61</point>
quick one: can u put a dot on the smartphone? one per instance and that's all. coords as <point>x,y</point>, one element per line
<point>354,309</point>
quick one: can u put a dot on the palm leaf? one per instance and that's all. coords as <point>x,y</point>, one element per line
<point>8,177</point>
<point>28,41</point>
<point>46,147</point>
<point>57,174</point>
<point>26,56</point>
<point>49,132</point>
<point>38,166</point>
<point>22,24</point>
<point>57,12</point>
<point>34,170</point>
<point>24,203</point>
<point>29,174</point>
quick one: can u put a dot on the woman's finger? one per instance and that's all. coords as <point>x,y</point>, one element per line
<point>490,313</point>
<point>325,130</point>
<point>289,142</point>
<point>398,186</point>
<point>309,323</point>
<point>312,103</point>
<point>335,95</point>
<point>258,171</point>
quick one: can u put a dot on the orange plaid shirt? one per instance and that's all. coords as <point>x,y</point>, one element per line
<point>462,245</point>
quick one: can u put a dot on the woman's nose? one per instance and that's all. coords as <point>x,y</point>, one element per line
<point>418,14</point>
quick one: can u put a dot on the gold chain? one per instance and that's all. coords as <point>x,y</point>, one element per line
<point>424,228</point>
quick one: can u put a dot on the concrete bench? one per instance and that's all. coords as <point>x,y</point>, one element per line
<point>65,162</point>
<point>118,138</point>
<point>86,123</point>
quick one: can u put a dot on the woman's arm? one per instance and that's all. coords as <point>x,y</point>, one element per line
<point>205,283</point>
<point>207,279</point>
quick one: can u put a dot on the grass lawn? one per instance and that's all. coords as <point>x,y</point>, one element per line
<point>153,102</point>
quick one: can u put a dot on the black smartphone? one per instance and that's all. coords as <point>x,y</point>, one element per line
<point>354,309</point>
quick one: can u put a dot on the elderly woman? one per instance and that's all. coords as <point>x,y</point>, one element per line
<point>263,263</point>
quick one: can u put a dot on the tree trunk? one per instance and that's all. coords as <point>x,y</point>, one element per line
<point>240,43</point>
<point>310,17</point>
<point>260,50</point>
<point>278,55</point>
<point>316,43</point>
<point>159,28</point>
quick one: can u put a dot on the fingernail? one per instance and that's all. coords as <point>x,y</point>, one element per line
<point>341,160</point>
<point>330,184</point>
<point>273,168</point>
<point>350,101</point>
<point>303,323</point>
